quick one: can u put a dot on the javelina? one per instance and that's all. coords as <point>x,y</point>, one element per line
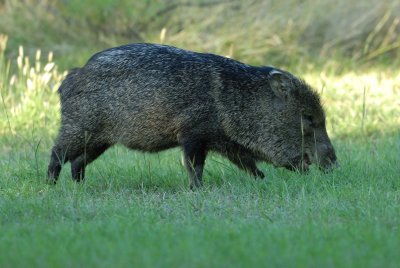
<point>154,97</point>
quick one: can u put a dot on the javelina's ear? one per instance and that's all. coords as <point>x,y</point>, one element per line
<point>281,84</point>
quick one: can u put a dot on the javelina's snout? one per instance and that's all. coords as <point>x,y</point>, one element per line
<point>326,157</point>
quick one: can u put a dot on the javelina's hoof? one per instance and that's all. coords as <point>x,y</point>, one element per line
<point>51,181</point>
<point>259,174</point>
<point>195,185</point>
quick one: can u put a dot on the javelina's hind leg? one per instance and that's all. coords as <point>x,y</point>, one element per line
<point>79,164</point>
<point>78,168</point>
<point>194,154</point>
<point>246,163</point>
<point>57,158</point>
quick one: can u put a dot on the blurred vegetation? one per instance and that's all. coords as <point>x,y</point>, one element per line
<point>295,34</point>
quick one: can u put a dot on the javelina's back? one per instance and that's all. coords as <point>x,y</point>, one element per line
<point>154,97</point>
<point>144,95</point>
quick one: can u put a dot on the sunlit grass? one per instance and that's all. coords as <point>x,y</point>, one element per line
<point>360,103</point>
<point>29,92</point>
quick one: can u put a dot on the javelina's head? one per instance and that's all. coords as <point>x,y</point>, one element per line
<point>299,136</point>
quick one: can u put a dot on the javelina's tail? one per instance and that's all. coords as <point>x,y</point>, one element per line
<point>68,84</point>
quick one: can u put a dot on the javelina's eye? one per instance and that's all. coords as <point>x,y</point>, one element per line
<point>309,120</point>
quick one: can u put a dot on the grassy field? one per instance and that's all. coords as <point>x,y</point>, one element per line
<point>135,209</point>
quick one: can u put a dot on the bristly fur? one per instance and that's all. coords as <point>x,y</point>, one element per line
<point>68,83</point>
<point>154,97</point>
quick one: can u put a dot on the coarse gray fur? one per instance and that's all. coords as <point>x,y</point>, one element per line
<point>152,97</point>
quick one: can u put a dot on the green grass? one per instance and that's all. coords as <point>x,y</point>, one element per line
<point>135,209</point>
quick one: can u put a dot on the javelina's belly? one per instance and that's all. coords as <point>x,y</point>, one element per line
<point>150,142</point>
<point>148,133</point>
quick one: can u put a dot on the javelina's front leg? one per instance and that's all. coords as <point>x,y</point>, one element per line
<point>79,164</point>
<point>194,154</point>
<point>56,161</point>
<point>246,163</point>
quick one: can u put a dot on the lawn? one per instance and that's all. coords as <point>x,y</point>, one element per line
<point>136,209</point>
